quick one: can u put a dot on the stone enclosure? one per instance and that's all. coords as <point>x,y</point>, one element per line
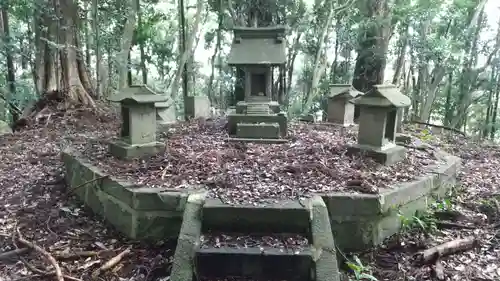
<point>350,221</point>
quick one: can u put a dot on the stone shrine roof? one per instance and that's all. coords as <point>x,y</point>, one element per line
<point>137,94</point>
<point>383,96</point>
<point>340,91</point>
<point>258,45</point>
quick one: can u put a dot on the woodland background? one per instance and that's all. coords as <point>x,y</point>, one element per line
<point>443,54</point>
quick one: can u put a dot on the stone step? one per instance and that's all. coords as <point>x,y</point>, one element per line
<point>286,216</point>
<point>254,263</point>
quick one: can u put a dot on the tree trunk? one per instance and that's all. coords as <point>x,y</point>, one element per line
<point>126,44</point>
<point>10,75</point>
<point>68,81</point>
<point>371,59</point>
<point>185,56</point>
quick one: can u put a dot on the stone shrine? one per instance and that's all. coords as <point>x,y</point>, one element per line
<point>138,132</point>
<point>340,109</point>
<point>377,124</point>
<point>257,51</point>
<point>165,113</point>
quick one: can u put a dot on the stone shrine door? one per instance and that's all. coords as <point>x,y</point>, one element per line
<point>258,84</point>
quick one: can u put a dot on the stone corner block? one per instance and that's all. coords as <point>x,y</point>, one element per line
<point>123,150</point>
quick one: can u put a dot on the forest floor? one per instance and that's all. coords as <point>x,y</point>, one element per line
<point>35,208</point>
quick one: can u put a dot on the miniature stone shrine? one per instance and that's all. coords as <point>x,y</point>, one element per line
<point>340,110</point>
<point>256,51</point>
<point>198,107</point>
<point>165,113</point>
<point>138,133</point>
<point>377,124</point>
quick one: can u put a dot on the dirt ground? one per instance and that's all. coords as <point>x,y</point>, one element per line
<point>35,210</point>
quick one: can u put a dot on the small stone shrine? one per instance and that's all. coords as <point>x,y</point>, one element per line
<point>138,132</point>
<point>257,51</point>
<point>340,109</point>
<point>377,124</point>
<point>165,113</point>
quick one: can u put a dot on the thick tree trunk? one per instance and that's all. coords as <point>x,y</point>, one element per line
<point>70,80</point>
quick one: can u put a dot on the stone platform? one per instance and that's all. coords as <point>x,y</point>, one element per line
<point>358,221</point>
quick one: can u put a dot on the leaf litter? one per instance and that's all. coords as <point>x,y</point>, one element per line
<point>314,161</point>
<point>34,199</point>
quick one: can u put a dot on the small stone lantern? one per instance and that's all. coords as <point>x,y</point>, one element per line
<point>377,124</point>
<point>138,132</point>
<point>340,110</point>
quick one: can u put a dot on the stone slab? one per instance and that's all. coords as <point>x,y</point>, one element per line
<point>262,141</point>
<point>286,216</point>
<point>189,237</point>
<point>256,263</point>
<point>124,150</point>
<point>258,131</point>
<point>323,245</point>
<point>234,119</point>
<point>385,157</point>
<point>197,107</point>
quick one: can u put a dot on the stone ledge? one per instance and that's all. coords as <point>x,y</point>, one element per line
<point>286,216</point>
<point>360,221</point>
<point>137,212</point>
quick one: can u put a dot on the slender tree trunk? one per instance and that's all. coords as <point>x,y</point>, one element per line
<point>10,75</point>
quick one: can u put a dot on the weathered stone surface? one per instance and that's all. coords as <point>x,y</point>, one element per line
<point>189,237</point>
<point>165,113</point>
<point>255,263</point>
<point>385,157</point>
<point>287,216</point>
<point>258,131</point>
<point>323,243</point>
<point>129,209</point>
<point>361,221</point>
<point>124,150</point>
<point>4,128</point>
<point>234,119</point>
<point>197,107</point>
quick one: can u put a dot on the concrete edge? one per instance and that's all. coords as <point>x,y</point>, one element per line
<point>183,267</point>
<point>437,181</point>
<point>140,198</point>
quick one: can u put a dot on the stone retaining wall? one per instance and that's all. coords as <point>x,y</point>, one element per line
<point>359,221</point>
<point>137,212</point>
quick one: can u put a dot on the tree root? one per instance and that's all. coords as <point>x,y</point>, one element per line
<point>111,263</point>
<point>47,255</point>
<point>451,247</point>
<point>438,271</point>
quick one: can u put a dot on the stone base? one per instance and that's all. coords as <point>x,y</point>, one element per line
<point>123,150</point>
<point>234,119</point>
<point>385,157</point>
<point>258,131</point>
<point>263,141</point>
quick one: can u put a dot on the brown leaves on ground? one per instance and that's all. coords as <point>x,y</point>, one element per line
<point>315,160</point>
<point>33,196</point>
<point>476,213</point>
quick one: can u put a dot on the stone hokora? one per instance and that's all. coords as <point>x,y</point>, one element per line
<point>138,132</point>
<point>377,124</point>
<point>256,52</point>
<point>340,109</point>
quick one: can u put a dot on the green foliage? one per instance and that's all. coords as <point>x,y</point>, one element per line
<point>360,271</point>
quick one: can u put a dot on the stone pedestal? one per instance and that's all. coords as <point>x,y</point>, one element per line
<point>198,107</point>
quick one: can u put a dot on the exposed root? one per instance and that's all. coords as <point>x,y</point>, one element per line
<point>455,246</point>
<point>111,263</point>
<point>47,255</point>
